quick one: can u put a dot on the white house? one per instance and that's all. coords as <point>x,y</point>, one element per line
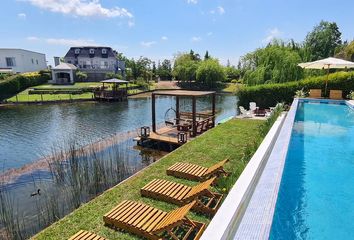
<point>21,60</point>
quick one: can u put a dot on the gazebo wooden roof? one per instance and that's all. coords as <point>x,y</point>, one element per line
<point>185,93</point>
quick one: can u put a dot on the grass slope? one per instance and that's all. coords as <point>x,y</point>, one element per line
<point>226,140</point>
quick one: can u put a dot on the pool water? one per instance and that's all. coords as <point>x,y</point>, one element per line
<point>316,195</point>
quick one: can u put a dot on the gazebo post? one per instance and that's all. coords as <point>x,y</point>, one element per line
<point>213,108</point>
<point>177,109</point>
<point>194,106</point>
<point>153,113</point>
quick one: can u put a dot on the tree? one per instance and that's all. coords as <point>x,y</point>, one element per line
<point>206,56</point>
<point>210,72</point>
<point>164,70</point>
<point>185,66</point>
<point>346,51</point>
<point>275,63</point>
<point>232,73</point>
<point>322,41</point>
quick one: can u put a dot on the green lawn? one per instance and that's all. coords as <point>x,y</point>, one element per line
<point>231,87</point>
<point>25,97</point>
<point>227,140</point>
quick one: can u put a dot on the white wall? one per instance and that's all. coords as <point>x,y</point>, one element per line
<point>23,60</point>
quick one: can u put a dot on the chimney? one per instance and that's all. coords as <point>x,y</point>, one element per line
<point>56,61</point>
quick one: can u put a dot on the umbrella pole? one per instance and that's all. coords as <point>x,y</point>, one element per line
<point>326,81</point>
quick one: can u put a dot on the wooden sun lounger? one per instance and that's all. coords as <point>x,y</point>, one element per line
<point>315,93</point>
<point>207,202</point>
<point>195,172</point>
<point>85,235</point>
<point>152,223</point>
<point>336,94</point>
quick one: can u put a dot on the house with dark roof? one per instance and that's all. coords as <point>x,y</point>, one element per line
<point>96,61</point>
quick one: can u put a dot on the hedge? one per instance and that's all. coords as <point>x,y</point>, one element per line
<point>19,82</point>
<point>268,95</point>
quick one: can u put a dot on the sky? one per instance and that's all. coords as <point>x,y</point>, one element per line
<point>159,29</point>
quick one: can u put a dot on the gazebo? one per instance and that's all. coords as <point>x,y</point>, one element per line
<point>185,123</point>
<point>64,73</point>
<point>115,93</point>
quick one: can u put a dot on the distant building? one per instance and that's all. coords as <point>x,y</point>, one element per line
<point>20,61</point>
<point>95,61</point>
<point>64,73</point>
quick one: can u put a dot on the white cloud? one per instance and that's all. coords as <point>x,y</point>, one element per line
<point>64,41</point>
<point>192,1</point>
<point>220,10</point>
<point>22,15</point>
<point>272,34</point>
<point>210,33</point>
<point>32,38</point>
<point>147,44</point>
<point>164,38</point>
<point>196,39</point>
<point>83,8</point>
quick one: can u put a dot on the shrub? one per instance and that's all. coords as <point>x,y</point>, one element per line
<point>268,95</point>
<point>81,76</point>
<point>234,81</point>
<point>17,83</point>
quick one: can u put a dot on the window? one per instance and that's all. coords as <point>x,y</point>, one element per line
<point>92,51</point>
<point>77,51</point>
<point>104,51</point>
<point>37,61</point>
<point>32,61</point>
<point>10,61</point>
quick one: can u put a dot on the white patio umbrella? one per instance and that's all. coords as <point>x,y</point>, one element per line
<point>327,63</point>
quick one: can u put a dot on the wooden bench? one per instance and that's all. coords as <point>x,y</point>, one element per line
<point>195,172</point>
<point>152,223</point>
<point>85,235</point>
<point>207,202</point>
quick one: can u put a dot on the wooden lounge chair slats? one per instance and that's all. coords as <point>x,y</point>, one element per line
<point>199,188</point>
<point>85,235</point>
<point>149,222</point>
<point>173,218</point>
<point>180,194</point>
<point>216,167</point>
<point>195,172</point>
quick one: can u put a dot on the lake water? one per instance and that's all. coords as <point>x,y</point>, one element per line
<point>29,132</point>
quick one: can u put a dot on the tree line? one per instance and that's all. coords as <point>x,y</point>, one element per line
<point>276,62</point>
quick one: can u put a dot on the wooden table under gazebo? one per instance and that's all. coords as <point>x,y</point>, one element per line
<point>185,125</point>
<point>115,93</point>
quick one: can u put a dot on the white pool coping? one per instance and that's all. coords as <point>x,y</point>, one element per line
<point>228,217</point>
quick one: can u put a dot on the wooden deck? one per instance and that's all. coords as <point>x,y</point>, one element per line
<point>165,135</point>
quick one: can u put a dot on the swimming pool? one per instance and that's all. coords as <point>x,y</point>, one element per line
<point>316,194</point>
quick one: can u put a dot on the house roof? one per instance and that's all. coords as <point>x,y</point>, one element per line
<point>85,52</point>
<point>65,66</point>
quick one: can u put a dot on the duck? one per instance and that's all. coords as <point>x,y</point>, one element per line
<point>36,193</point>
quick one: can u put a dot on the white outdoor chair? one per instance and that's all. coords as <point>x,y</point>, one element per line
<point>253,106</point>
<point>245,113</point>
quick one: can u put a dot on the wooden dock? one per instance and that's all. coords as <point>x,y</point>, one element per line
<point>166,135</point>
